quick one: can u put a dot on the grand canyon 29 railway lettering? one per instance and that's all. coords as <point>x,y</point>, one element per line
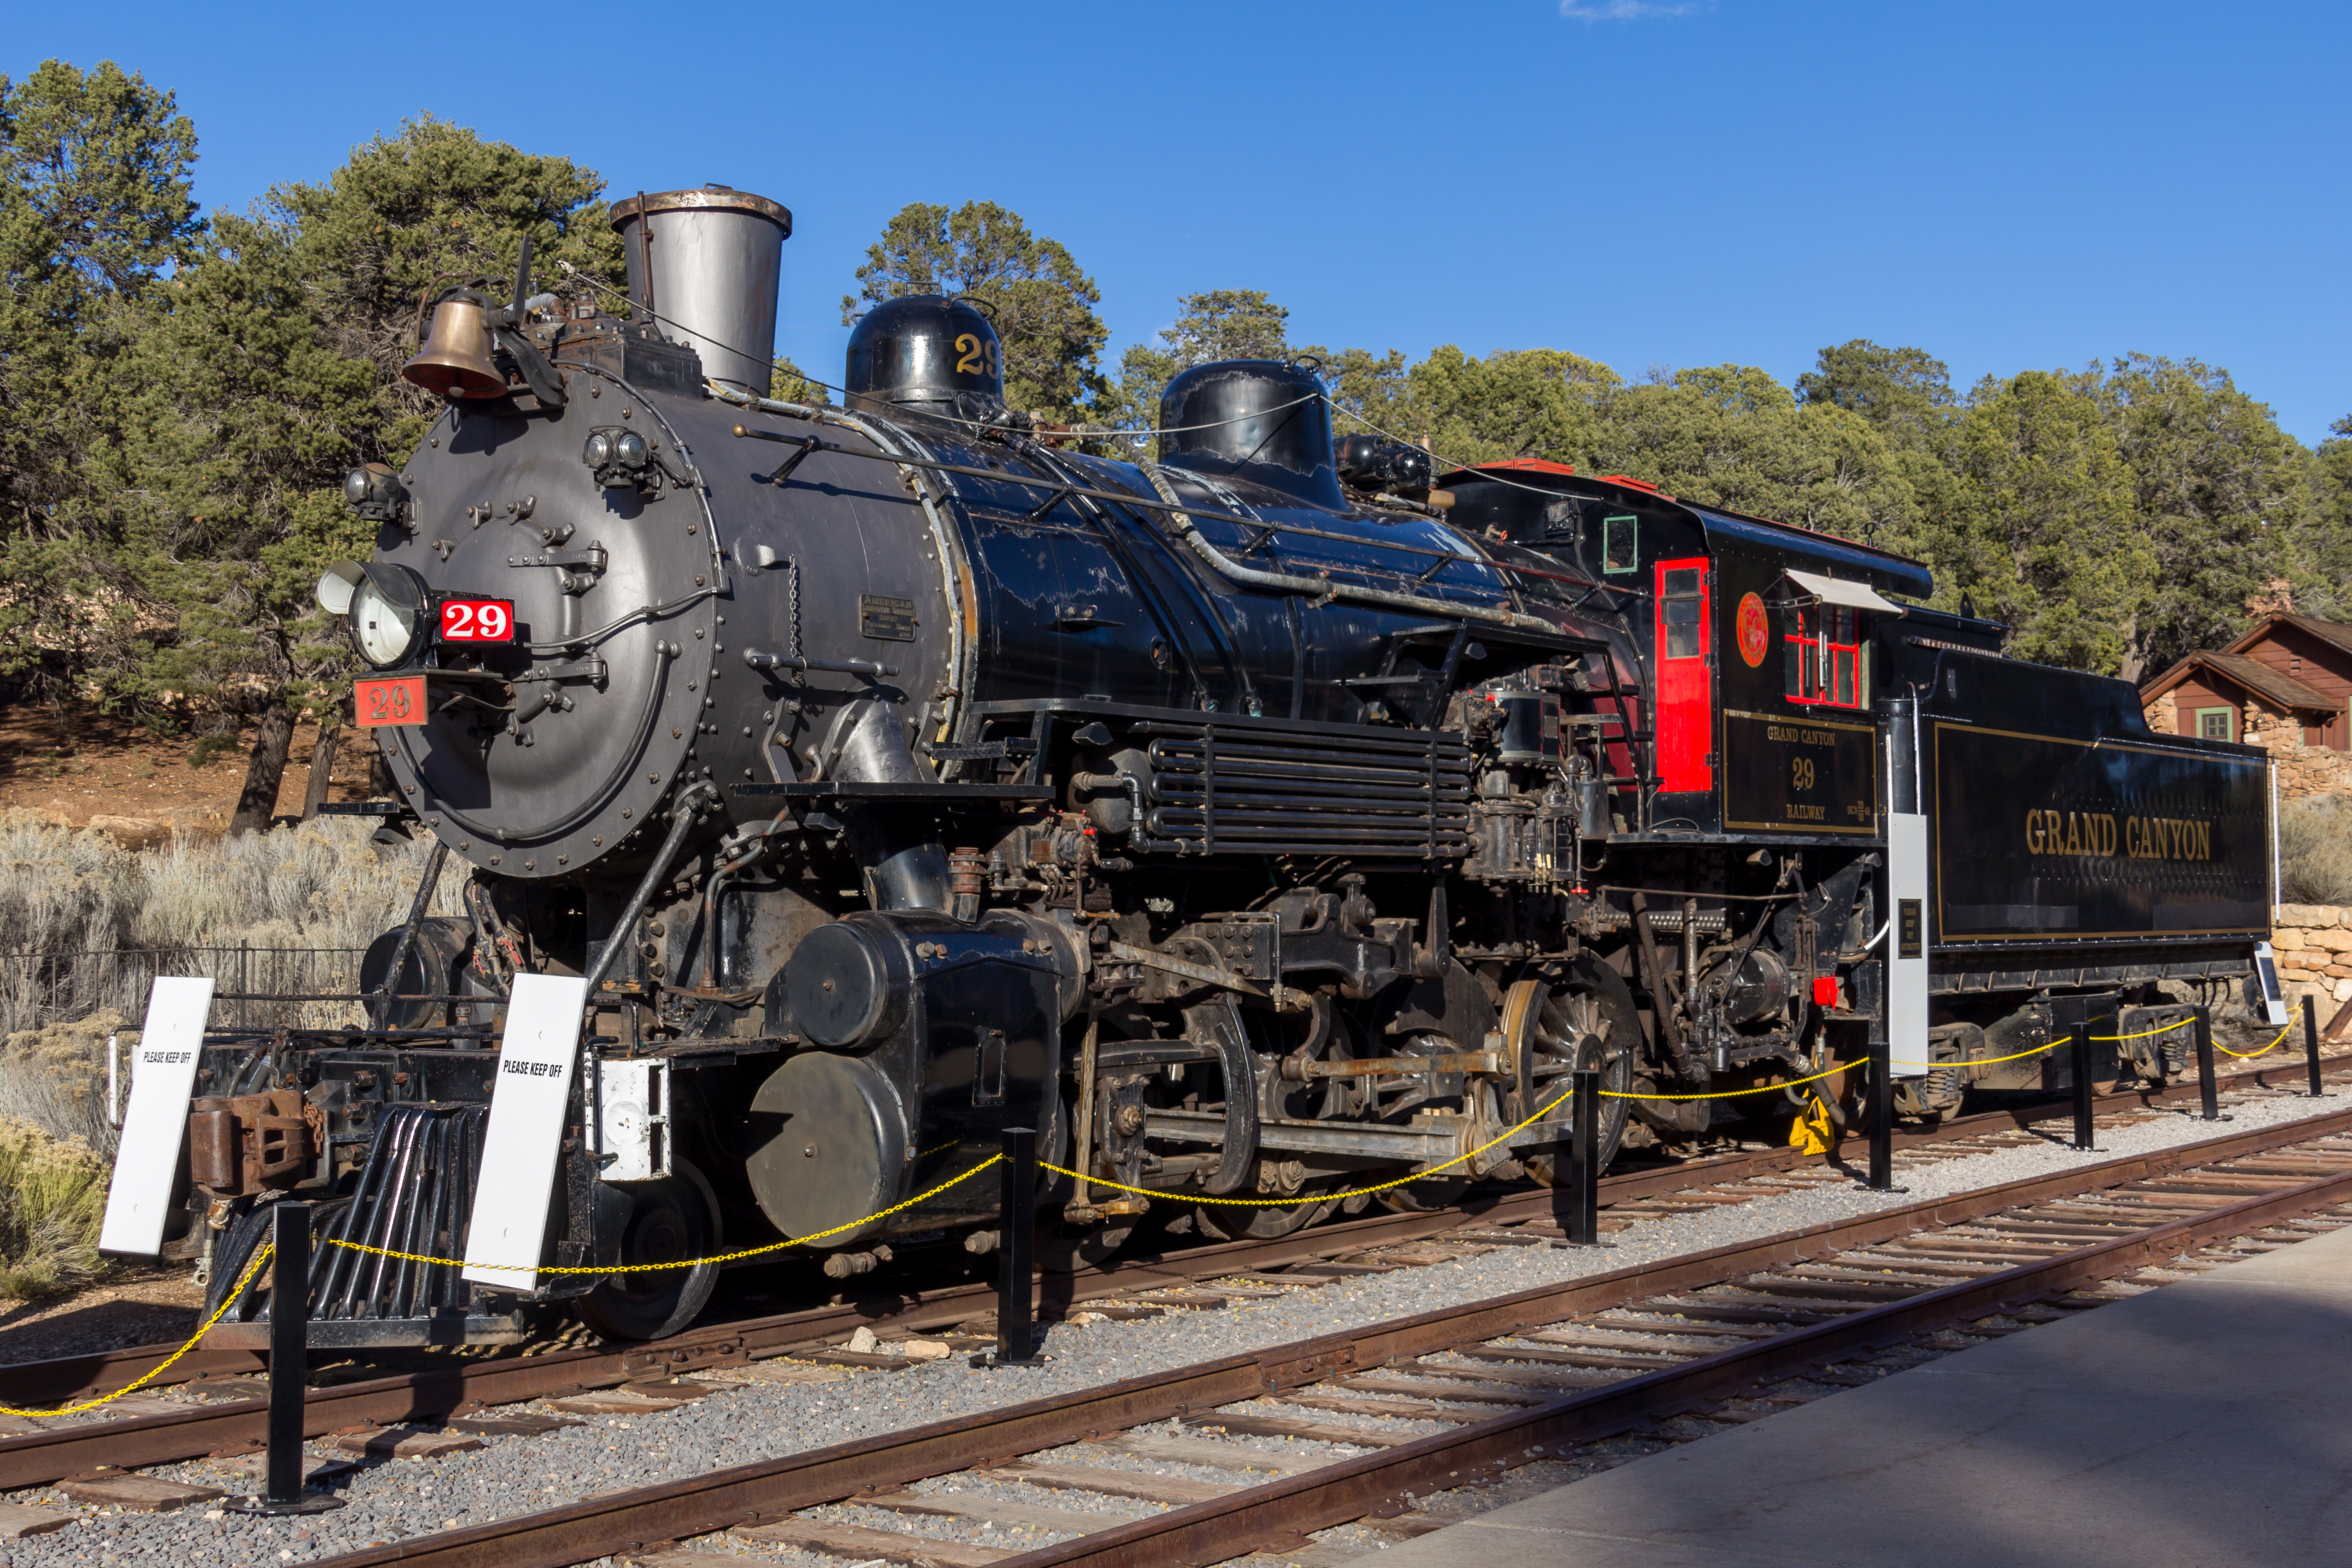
<point>2100,833</point>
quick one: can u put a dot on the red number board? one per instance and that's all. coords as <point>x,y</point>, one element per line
<point>397,699</point>
<point>477,620</point>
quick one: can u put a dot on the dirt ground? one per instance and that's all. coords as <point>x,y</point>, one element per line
<point>139,1304</point>
<point>74,766</point>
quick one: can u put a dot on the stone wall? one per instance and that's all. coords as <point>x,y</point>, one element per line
<point>2303,770</point>
<point>2314,943</point>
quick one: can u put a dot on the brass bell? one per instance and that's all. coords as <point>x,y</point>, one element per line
<point>456,359</point>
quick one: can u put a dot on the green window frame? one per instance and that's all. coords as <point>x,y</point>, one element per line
<point>2216,723</point>
<point>1621,543</point>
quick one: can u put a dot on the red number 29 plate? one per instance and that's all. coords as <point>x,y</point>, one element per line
<point>476,620</point>
<point>399,699</point>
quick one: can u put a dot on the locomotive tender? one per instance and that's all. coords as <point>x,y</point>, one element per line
<point>1262,822</point>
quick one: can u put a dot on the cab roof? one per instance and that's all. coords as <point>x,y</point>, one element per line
<point>1883,569</point>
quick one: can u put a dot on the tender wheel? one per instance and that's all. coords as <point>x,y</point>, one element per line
<point>1225,1222</point>
<point>674,1218</point>
<point>1557,1030</point>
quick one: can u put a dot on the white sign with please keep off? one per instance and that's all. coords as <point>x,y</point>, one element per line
<point>536,1062</point>
<point>147,1163</point>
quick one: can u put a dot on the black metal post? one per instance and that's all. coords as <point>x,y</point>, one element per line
<point>1017,1250</point>
<point>1584,1160</point>
<point>2311,1045</point>
<point>289,1349</point>
<point>290,1359</point>
<point>1882,1110</point>
<point>2082,1053</point>
<point>2206,1097</point>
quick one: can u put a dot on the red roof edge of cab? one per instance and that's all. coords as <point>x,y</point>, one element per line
<point>1527,465</point>
<point>1566,470</point>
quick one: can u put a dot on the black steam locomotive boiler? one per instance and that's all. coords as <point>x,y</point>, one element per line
<point>1265,821</point>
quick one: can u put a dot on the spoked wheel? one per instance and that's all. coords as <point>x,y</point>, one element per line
<point>672,1219</point>
<point>1556,1029</point>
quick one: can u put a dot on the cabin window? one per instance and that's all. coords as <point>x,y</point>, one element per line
<point>1621,548</point>
<point>1825,666</point>
<point>2216,723</point>
<point>1680,606</point>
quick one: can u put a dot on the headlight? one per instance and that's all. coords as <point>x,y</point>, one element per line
<point>387,614</point>
<point>338,584</point>
<point>600,450</point>
<point>355,485</point>
<point>630,449</point>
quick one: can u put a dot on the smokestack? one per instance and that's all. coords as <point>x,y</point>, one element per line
<point>705,264</point>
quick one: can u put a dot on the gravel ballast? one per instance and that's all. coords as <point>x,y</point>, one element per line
<point>392,1500</point>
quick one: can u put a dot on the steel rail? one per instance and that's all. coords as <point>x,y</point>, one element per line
<point>1351,1488</point>
<point>68,1378</point>
<point>768,1490</point>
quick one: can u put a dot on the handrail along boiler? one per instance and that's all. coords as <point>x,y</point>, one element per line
<point>1247,821</point>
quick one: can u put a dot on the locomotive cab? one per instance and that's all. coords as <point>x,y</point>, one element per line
<point>2016,840</point>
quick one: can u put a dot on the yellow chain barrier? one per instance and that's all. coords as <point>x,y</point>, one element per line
<point>1732,1093</point>
<point>161,1367</point>
<point>1319,1197</point>
<point>2249,1056</point>
<point>682,1263</point>
<point>1057,1170</point>
<point>1977,1062</point>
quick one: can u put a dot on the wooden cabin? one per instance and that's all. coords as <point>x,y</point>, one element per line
<point>2291,666</point>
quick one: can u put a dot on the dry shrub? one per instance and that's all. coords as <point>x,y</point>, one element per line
<point>52,1202</point>
<point>2315,850</point>
<point>323,883</point>
<point>55,1078</point>
<point>72,904</point>
<point>61,891</point>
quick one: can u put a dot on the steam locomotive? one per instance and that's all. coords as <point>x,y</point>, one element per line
<point>1265,821</point>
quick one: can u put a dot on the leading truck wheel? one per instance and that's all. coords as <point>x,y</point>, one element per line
<point>669,1221</point>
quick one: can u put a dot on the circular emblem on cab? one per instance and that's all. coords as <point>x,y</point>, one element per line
<point>1755,635</point>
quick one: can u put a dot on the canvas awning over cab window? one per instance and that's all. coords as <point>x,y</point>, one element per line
<point>1832,591</point>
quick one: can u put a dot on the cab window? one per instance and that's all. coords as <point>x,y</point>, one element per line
<point>1679,612</point>
<point>1825,667</point>
<point>1621,549</point>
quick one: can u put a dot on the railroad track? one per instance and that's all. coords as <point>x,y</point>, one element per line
<point>1531,1377</point>
<point>147,1431</point>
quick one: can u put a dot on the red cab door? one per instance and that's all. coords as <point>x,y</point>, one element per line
<point>1685,712</point>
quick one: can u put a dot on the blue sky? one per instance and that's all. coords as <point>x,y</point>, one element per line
<point>2008,185</point>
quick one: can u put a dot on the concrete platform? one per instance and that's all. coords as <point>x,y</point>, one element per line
<point>2207,1422</point>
